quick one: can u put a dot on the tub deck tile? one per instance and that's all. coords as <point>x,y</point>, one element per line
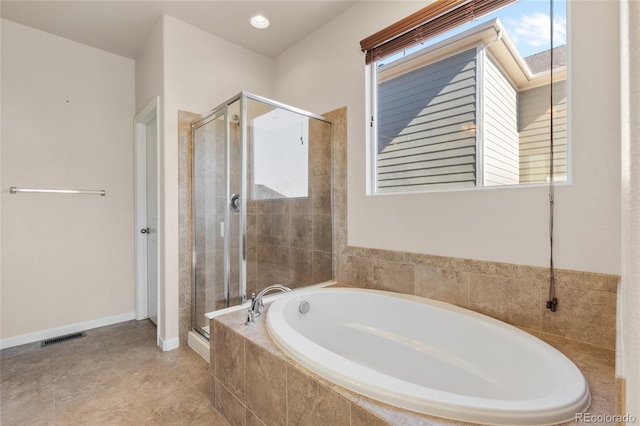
<point>595,362</point>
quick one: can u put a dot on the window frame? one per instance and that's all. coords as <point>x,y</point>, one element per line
<point>432,54</point>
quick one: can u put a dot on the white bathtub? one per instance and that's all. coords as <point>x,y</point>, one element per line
<point>428,356</point>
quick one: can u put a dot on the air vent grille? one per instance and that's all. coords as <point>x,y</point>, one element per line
<point>60,339</point>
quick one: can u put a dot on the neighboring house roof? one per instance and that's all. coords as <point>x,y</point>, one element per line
<point>525,73</point>
<point>540,62</point>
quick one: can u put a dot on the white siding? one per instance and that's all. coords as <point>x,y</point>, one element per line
<point>500,128</point>
<point>534,133</point>
<point>426,126</point>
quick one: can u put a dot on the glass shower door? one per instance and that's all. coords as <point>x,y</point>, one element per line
<point>216,207</point>
<point>261,202</point>
<point>208,203</point>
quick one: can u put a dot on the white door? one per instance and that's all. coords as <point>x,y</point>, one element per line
<point>152,221</point>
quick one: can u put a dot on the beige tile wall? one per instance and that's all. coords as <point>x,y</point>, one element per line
<point>254,383</point>
<point>185,151</point>
<point>515,294</point>
<point>290,241</point>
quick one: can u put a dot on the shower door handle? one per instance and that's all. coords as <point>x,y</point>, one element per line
<point>234,203</point>
<point>244,247</point>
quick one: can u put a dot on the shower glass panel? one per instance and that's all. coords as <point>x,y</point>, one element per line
<point>208,201</point>
<point>289,234</point>
<point>261,202</point>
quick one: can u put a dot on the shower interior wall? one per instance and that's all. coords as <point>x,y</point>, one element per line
<point>289,240</point>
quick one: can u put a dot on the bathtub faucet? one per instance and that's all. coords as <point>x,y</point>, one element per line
<point>256,301</point>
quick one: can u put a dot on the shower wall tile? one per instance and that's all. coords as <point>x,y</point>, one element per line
<point>321,233</point>
<point>234,229</point>
<point>184,318</point>
<point>269,223</point>
<point>285,227</point>
<point>185,152</point>
<point>282,229</point>
<point>184,228</point>
<point>301,267</point>
<point>283,264</point>
<point>319,153</point>
<point>322,268</point>
<point>265,207</point>
<point>264,230</point>
<point>339,147</point>
<point>301,230</point>
<point>320,194</point>
<point>282,206</point>
<point>252,265</point>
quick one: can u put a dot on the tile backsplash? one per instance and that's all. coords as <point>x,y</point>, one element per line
<point>516,294</point>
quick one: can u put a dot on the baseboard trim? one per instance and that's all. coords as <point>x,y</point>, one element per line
<point>37,336</point>
<point>169,345</point>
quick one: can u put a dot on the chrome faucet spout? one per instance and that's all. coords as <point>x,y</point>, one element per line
<point>256,302</point>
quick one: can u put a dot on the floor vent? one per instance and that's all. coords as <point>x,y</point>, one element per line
<point>60,339</point>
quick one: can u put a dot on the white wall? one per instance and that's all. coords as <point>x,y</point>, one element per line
<point>629,295</point>
<point>200,71</point>
<point>326,71</point>
<point>507,225</point>
<point>150,68</point>
<point>66,113</point>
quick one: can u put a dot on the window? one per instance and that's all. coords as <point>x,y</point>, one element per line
<point>472,107</point>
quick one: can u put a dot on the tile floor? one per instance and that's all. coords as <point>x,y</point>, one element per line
<point>115,375</point>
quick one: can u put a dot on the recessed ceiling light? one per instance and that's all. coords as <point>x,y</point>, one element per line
<point>259,22</point>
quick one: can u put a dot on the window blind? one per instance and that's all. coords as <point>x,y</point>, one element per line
<point>435,19</point>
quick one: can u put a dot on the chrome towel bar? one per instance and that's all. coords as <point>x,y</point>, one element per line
<point>101,192</point>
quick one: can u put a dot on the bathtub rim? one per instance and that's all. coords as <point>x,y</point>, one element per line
<point>267,299</point>
<point>478,409</point>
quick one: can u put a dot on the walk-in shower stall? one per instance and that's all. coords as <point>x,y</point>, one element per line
<point>261,202</point>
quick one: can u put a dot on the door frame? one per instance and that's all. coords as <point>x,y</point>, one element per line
<point>142,119</point>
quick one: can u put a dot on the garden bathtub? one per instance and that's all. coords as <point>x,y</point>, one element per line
<point>428,356</point>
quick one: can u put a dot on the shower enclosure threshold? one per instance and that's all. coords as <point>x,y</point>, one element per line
<point>200,344</point>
